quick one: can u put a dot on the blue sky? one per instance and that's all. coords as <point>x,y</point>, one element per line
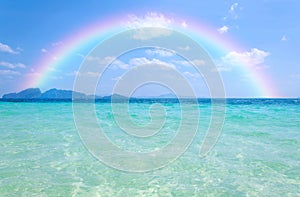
<point>268,31</point>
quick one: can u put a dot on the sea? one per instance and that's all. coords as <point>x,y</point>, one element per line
<point>257,151</point>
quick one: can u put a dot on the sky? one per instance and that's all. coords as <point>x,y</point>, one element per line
<point>254,44</point>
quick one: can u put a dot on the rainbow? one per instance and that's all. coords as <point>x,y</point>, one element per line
<point>200,32</point>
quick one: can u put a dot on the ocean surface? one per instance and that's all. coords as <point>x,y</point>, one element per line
<point>257,153</point>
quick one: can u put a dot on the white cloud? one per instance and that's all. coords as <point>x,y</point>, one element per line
<point>184,48</point>
<point>19,49</point>
<point>233,7</point>
<point>89,74</point>
<point>284,38</point>
<point>231,16</point>
<point>143,61</point>
<point>80,55</point>
<point>232,10</point>
<point>184,24</point>
<point>85,74</point>
<point>44,50</point>
<point>120,64</point>
<point>160,52</point>
<point>52,69</point>
<point>56,77</point>
<point>33,74</point>
<point>11,65</point>
<point>74,73</point>
<point>115,63</point>
<point>9,72</point>
<point>57,43</point>
<point>221,68</point>
<point>196,62</point>
<point>20,65</point>
<point>108,60</point>
<point>142,26</point>
<point>116,78</point>
<point>254,57</point>
<point>102,61</point>
<point>223,29</point>
<point>192,75</point>
<point>182,62</point>
<point>151,19</point>
<point>148,34</point>
<point>7,49</point>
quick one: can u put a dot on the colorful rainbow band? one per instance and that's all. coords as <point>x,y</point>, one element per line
<point>96,32</point>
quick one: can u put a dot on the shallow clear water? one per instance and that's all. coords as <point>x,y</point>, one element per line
<point>258,152</point>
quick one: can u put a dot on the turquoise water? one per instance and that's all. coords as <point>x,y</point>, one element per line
<point>257,154</point>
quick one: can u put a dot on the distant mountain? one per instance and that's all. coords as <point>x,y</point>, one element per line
<point>36,94</point>
<point>62,94</point>
<point>56,94</point>
<point>30,93</point>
